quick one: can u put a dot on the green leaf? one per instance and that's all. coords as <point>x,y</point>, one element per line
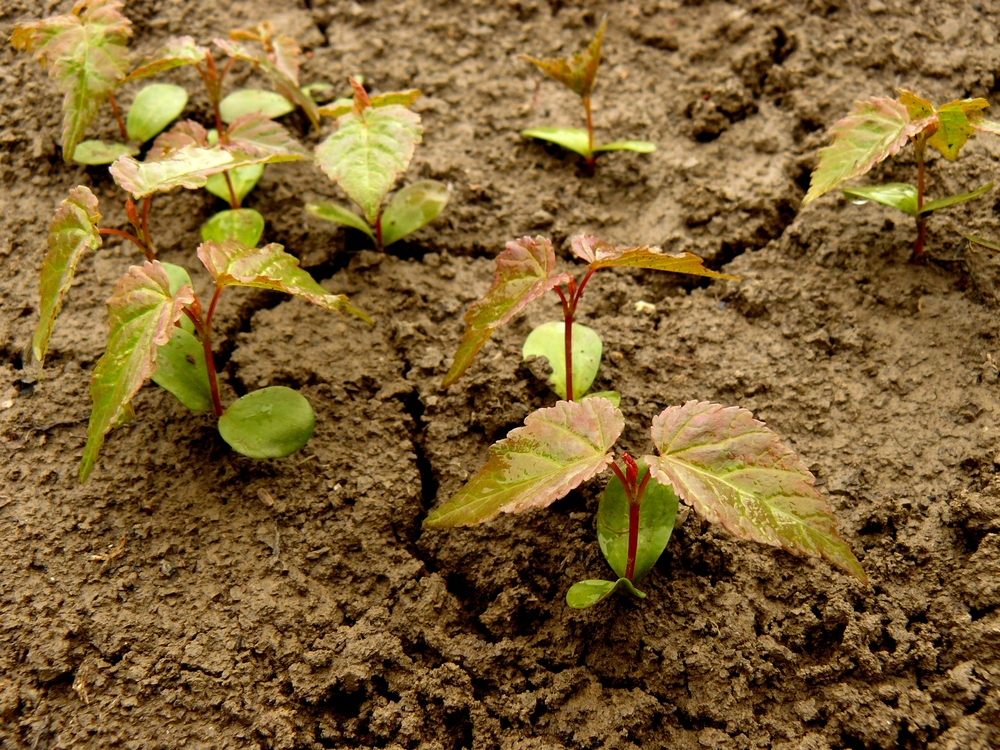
<point>273,422</point>
<point>557,450</point>
<point>917,107</point>
<point>951,200</point>
<point>142,313</point>
<point>181,370</point>
<point>954,126</point>
<point>85,52</point>
<point>588,593</point>
<point>244,180</point>
<point>549,340</point>
<point>340,215</point>
<point>180,51</point>
<point>600,254</point>
<point>411,208</point>
<point>155,107</point>
<point>368,151</point>
<point>244,225</point>
<point>403,98</point>
<point>578,73</point>
<point>73,232</point>
<point>573,139</point>
<point>735,472</point>
<point>523,273</point>
<point>980,241</point>
<point>257,136</point>
<point>874,131</point>
<point>94,153</point>
<point>613,396</point>
<point>187,167</point>
<point>269,267</point>
<point>642,147</point>
<point>987,126</point>
<point>657,514</point>
<point>254,101</point>
<point>896,194</point>
<point>179,278</point>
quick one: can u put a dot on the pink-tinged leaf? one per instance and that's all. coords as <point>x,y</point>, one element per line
<point>987,126</point>
<point>73,232</point>
<point>874,131</point>
<point>184,133</point>
<point>578,73</point>
<point>255,135</point>
<point>142,313</point>
<point>557,450</point>
<point>954,126</point>
<point>735,472</point>
<point>600,254</point>
<point>285,56</point>
<point>524,272</point>
<point>85,51</point>
<point>287,86</point>
<point>269,267</point>
<point>177,52</point>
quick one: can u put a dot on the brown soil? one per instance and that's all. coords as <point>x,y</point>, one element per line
<point>189,597</point>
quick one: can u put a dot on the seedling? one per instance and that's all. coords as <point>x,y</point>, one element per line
<point>373,144</point>
<point>524,272</point>
<point>578,75</point>
<point>148,310</point>
<point>720,460</point>
<point>877,129</point>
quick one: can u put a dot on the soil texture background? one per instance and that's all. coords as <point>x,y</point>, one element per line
<point>186,596</point>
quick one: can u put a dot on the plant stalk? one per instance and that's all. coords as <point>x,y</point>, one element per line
<point>205,334</point>
<point>118,116</point>
<point>918,246</point>
<point>378,230</point>
<point>591,159</point>
<point>133,239</point>
<point>145,224</point>
<point>233,200</point>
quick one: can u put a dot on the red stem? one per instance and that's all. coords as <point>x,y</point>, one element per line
<point>233,200</point>
<point>568,310</point>
<point>132,238</point>
<point>118,116</point>
<point>378,230</point>
<point>633,541</point>
<point>145,223</point>
<point>211,308</point>
<point>204,333</point>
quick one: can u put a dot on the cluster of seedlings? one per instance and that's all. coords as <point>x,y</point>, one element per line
<point>727,465</point>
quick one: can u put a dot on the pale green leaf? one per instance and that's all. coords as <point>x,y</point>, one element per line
<point>142,313</point>
<point>951,200</point>
<point>73,232</point>
<point>549,340</point>
<point>573,139</point>
<point>558,449</point>
<point>187,167</point>
<point>95,153</point>
<point>244,225</point>
<point>734,471</point>
<point>244,180</point>
<point>896,194</point>
<point>155,107</point>
<point>411,208</point>
<point>524,272</point>
<point>641,147</point>
<point>340,215</point>
<point>251,101</point>
<point>181,370</point>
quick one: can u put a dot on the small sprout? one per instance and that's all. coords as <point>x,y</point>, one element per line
<point>578,74</point>
<point>373,144</point>
<point>877,129</point>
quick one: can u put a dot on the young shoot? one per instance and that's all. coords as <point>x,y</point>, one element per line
<point>372,145</point>
<point>524,272</point>
<point>578,74</point>
<point>877,129</point>
<point>160,330</point>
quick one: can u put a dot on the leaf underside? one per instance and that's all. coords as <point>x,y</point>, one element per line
<point>558,449</point>
<point>340,215</point>
<point>411,208</point>
<point>255,135</point>
<point>577,73</point>
<point>600,254</point>
<point>585,594</point>
<point>73,232</point>
<point>734,471</point>
<point>524,272</point>
<point>85,52</point>
<point>368,151</point>
<point>181,370</point>
<point>142,314</point>
<point>874,131</point>
<point>903,196</point>
<point>269,267</point>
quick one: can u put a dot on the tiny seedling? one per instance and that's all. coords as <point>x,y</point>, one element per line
<point>578,75</point>
<point>161,331</point>
<point>525,271</point>
<point>727,465</point>
<point>372,145</point>
<point>877,129</point>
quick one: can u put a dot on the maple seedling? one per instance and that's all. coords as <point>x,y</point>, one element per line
<point>161,331</point>
<point>372,145</point>
<point>578,74</point>
<point>525,271</point>
<point>877,129</point>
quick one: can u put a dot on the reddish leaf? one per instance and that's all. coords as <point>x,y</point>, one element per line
<point>874,131</point>
<point>142,313</point>
<point>269,267</point>
<point>558,449</point>
<point>255,135</point>
<point>72,232</point>
<point>524,272</point>
<point>181,51</point>
<point>735,472</point>
<point>577,74</point>
<point>600,254</point>
<point>184,133</point>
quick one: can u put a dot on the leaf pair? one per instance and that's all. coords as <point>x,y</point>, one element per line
<point>720,460</point>
<point>525,271</point>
